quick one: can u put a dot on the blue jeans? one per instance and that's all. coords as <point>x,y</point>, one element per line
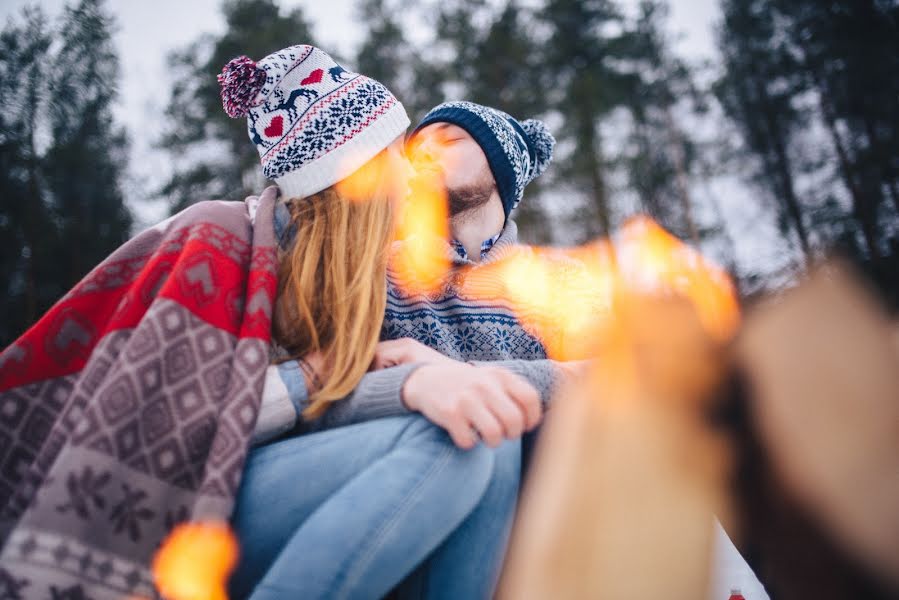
<point>350,512</point>
<point>467,564</point>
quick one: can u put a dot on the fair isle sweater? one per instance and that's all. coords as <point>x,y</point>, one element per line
<point>480,330</point>
<point>468,319</point>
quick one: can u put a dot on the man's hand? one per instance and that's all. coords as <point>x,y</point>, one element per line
<point>403,351</point>
<point>471,402</point>
<point>573,369</point>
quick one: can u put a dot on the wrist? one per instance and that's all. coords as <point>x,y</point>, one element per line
<point>410,392</point>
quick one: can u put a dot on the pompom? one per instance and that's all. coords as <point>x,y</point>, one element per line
<point>542,141</point>
<point>241,82</point>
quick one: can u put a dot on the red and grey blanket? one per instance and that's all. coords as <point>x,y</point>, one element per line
<point>129,406</point>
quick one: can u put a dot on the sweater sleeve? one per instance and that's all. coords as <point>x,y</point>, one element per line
<point>283,394</point>
<point>543,374</point>
<point>379,394</point>
<point>284,397</point>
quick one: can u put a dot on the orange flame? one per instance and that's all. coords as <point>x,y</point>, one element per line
<point>420,260</point>
<point>559,295</point>
<point>194,562</point>
<point>367,181</point>
<point>567,297</point>
<point>652,260</point>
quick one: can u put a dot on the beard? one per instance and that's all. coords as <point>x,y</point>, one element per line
<point>465,199</point>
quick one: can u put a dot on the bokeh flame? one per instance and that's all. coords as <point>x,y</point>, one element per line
<point>366,182</point>
<point>565,297</point>
<point>194,562</point>
<point>652,260</point>
<point>420,260</point>
<point>560,296</point>
<point>568,297</point>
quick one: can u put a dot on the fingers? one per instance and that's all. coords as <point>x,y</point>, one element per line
<point>389,354</point>
<point>485,424</point>
<point>381,360</point>
<point>509,414</point>
<point>462,434</point>
<point>524,395</point>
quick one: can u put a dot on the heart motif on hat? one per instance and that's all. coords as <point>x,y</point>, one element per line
<point>314,77</point>
<point>275,128</point>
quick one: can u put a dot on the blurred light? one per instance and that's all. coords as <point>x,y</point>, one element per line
<point>568,297</point>
<point>366,182</point>
<point>194,562</point>
<point>652,260</point>
<point>421,260</point>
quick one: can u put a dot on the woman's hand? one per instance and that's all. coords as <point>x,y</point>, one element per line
<point>403,351</point>
<point>313,368</point>
<point>473,403</point>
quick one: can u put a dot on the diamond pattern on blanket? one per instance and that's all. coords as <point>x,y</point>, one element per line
<point>157,412</point>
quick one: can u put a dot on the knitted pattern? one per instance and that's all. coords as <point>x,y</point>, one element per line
<point>516,152</point>
<point>312,121</point>
<point>129,407</point>
<point>468,319</point>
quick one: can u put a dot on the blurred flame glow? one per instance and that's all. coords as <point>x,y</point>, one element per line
<point>652,260</point>
<point>421,261</point>
<point>567,297</point>
<point>563,296</point>
<point>367,181</point>
<point>194,562</point>
<point>560,295</point>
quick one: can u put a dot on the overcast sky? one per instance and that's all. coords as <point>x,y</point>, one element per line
<point>149,30</point>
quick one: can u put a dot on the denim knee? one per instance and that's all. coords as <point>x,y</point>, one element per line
<point>473,470</point>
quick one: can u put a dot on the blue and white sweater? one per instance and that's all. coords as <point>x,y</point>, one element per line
<point>468,318</point>
<point>482,330</point>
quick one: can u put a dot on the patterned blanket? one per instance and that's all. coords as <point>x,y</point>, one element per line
<point>129,406</point>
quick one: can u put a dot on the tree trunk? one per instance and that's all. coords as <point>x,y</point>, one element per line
<point>874,143</point>
<point>731,262</point>
<point>597,182</point>
<point>783,172</point>
<point>676,152</point>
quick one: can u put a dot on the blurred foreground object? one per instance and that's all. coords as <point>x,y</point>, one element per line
<point>194,562</point>
<point>819,476</point>
<point>630,468</point>
<point>628,475</point>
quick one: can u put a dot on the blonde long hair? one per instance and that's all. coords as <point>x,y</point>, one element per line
<point>332,281</point>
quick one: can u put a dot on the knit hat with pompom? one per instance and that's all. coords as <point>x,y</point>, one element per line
<point>517,152</point>
<point>312,121</point>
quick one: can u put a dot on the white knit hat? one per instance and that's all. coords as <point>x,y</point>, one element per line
<point>313,122</point>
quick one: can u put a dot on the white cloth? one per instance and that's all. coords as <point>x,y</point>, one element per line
<point>730,573</point>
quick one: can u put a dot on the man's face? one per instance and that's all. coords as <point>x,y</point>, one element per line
<point>458,160</point>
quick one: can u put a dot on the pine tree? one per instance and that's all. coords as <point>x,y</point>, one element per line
<point>215,157</point>
<point>659,166</point>
<point>588,58</point>
<point>27,226</point>
<point>86,161</point>
<point>61,157</point>
<point>757,90</point>
<point>848,54</point>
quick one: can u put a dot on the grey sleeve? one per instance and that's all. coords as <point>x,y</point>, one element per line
<point>377,395</point>
<point>543,374</point>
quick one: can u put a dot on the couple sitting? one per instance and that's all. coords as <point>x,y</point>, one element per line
<point>349,467</point>
<point>410,501</point>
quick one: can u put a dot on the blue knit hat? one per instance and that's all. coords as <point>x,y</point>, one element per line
<point>517,152</point>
